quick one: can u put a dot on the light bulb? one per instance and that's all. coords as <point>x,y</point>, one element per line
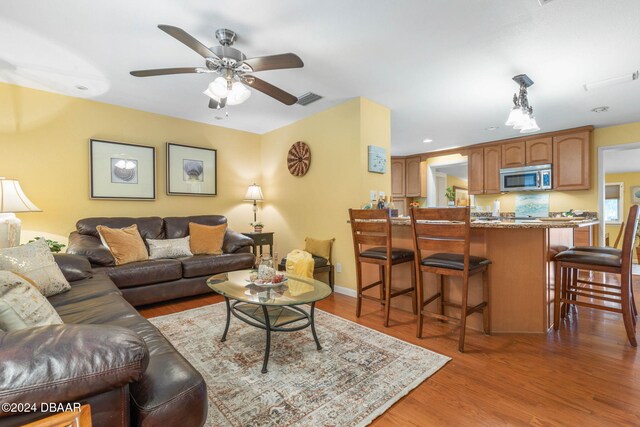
<point>218,87</point>
<point>238,94</point>
<point>515,117</point>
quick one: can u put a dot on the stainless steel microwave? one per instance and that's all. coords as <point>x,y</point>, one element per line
<point>528,178</point>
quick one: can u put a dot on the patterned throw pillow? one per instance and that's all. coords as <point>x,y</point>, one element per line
<point>169,248</point>
<point>35,262</point>
<point>22,305</point>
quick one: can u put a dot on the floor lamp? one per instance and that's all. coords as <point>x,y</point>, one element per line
<point>12,200</point>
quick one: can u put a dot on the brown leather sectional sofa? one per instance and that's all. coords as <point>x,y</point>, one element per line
<point>157,280</point>
<point>105,354</point>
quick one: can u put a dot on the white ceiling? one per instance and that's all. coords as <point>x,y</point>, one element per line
<point>622,161</point>
<point>459,170</point>
<point>444,68</point>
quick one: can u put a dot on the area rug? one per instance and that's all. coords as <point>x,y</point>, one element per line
<point>358,374</point>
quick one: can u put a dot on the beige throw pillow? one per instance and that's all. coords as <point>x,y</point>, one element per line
<point>206,239</point>
<point>22,305</point>
<point>169,248</point>
<point>321,248</point>
<point>35,262</point>
<point>125,244</point>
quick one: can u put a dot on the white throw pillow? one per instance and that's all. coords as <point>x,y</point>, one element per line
<point>35,262</point>
<point>169,248</point>
<point>22,305</point>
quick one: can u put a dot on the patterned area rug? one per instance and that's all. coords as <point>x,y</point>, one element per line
<point>358,374</point>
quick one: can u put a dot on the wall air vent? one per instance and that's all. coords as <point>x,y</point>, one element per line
<point>308,98</point>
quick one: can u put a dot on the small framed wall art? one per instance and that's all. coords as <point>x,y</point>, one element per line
<point>377,159</point>
<point>191,171</point>
<point>122,171</point>
<point>635,194</point>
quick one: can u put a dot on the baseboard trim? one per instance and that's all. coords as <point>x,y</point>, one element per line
<point>345,291</point>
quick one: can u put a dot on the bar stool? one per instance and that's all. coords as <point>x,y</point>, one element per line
<point>372,227</point>
<point>448,229</point>
<point>569,291</point>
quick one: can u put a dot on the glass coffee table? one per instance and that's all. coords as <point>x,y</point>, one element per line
<point>271,307</point>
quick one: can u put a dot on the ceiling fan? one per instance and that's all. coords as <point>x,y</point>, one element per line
<point>232,67</point>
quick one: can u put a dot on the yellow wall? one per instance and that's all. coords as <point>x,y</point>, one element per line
<point>316,204</point>
<point>454,181</point>
<point>631,179</point>
<point>44,143</point>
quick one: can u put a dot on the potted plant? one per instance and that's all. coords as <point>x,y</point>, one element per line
<point>257,226</point>
<point>450,194</point>
<point>54,246</point>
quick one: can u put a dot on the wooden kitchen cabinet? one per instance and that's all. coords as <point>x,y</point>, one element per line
<point>412,181</point>
<point>513,154</point>
<point>492,164</point>
<point>397,177</point>
<point>475,157</point>
<point>539,151</point>
<point>571,161</point>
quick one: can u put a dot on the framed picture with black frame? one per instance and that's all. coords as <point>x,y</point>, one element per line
<point>191,171</point>
<point>122,171</point>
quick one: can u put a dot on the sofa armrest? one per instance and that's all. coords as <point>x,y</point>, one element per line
<point>90,247</point>
<point>235,242</point>
<point>74,267</point>
<point>66,363</point>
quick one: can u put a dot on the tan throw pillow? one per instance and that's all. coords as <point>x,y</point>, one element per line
<point>206,239</point>
<point>321,248</point>
<point>35,262</point>
<point>169,248</point>
<point>125,244</point>
<point>22,305</point>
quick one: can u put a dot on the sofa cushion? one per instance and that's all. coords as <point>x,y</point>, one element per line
<point>169,248</point>
<point>206,239</point>
<point>22,305</point>
<point>149,227</point>
<point>85,289</point>
<point>143,272</point>
<point>207,265</point>
<point>176,227</point>
<point>125,244</point>
<point>73,267</point>
<point>35,261</point>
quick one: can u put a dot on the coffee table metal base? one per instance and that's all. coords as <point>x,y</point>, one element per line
<point>271,318</point>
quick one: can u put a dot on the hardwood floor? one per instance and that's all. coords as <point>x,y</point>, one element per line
<point>587,374</point>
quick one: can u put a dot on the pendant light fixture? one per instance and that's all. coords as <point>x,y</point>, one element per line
<point>521,115</point>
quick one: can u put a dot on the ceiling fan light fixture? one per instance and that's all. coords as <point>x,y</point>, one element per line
<point>238,94</point>
<point>219,87</point>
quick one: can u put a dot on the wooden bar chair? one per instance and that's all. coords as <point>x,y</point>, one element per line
<point>615,298</point>
<point>372,227</point>
<point>446,231</point>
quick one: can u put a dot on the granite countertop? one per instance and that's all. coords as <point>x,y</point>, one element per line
<point>517,224</point>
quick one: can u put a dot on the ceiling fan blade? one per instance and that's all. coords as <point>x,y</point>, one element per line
<point>185,38</point>
<point>269,89</point>
<point>215,105</point>
<point>165,71</point>
<point>274,62</point>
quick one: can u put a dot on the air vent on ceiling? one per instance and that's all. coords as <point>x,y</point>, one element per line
<point>308,98</point>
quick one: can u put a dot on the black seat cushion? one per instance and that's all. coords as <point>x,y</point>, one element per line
<point>599,249</point>
<point>381,253</point>
<point>590,258</point>
<point>143,272</point>
<point>318,261</point>
<point>454,261</point>
<point>207,265</point>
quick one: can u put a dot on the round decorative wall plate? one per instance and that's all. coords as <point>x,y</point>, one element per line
<point>299,159</point>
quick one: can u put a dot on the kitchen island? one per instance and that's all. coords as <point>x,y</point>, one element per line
<point>520,276</point>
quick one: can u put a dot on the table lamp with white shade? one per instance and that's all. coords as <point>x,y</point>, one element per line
<point>12,200</point>
<point>254,194</point>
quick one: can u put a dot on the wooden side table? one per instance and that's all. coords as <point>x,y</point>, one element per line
<point>261,239</point>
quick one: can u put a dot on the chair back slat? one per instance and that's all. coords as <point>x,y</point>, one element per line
<point>367,239</point>
<point>445,230</point>
<point>441,230</point>
<point>442,245</point>
<point>370,227</point>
